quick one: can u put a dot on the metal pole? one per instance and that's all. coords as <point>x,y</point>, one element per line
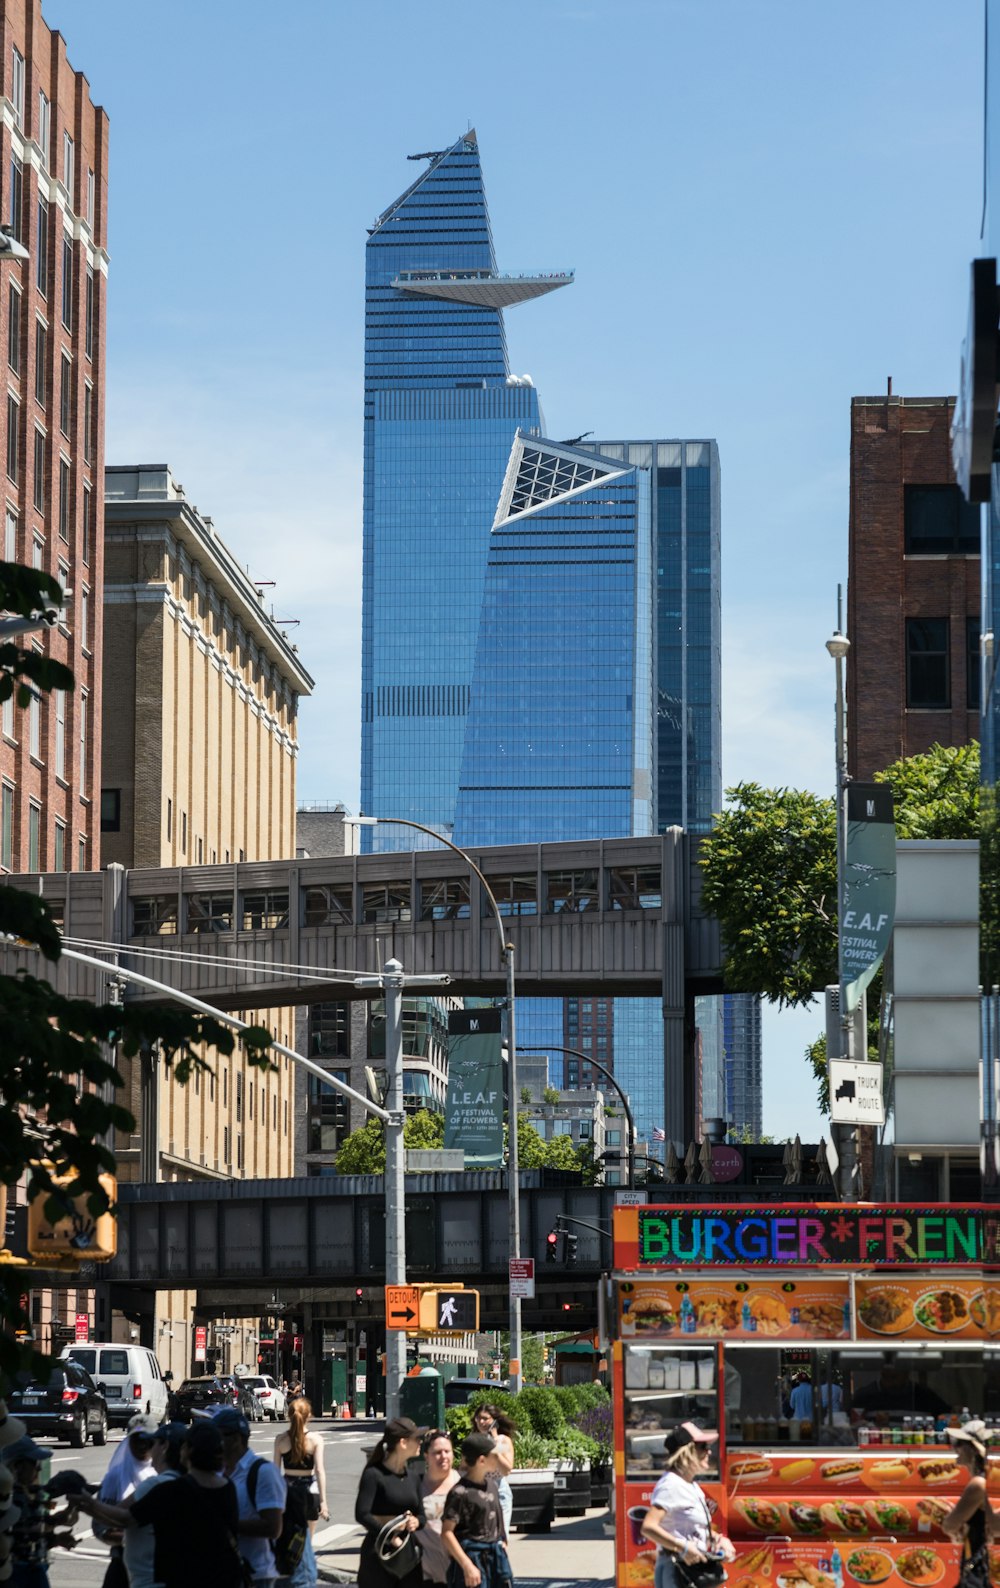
<point>395,1204</point>
<point>838,647</point>
<point>513,1186</point>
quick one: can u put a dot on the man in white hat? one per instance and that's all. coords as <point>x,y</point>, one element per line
<point>130,1465</point>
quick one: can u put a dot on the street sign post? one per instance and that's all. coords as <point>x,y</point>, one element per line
<point>522,1277</point>
<point>856,1092</point>
<point>402,1306</point>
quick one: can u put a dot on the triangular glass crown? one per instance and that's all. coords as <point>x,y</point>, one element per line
<point>541,472</point>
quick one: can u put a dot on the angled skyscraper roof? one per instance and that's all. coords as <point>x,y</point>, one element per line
<point>540,473</point>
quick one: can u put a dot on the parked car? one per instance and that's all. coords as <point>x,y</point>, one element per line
<point>198,1395</point>
<point>459,1391</point>
<point>128,1376</point>
<point>68,1405</point>
<point>270,1394</point>
<point>243,1397</point>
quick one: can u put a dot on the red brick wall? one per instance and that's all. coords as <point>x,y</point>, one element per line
<point>71,110</point>
<point>895,442</point>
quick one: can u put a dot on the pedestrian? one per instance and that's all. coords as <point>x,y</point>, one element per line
<point>260,1495</point>
<point>299,1454</point>
<point>487,1419</point>
<point>34,1531</point>
<point>678,1518</point>
<point>195,1518</point>
<point>472,1524</point>
<point>130,1465</point>
<point>435,1486</point>
<point>388,1490</point>
<point>970,1521</point>
<point>294,1389</point>
<point>139,1543</point>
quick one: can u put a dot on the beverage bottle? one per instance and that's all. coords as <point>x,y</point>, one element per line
<point>746,1318</point>
<point>836,1568</point>
<point>863,1435</point>
<point>907,1431</point>
<point>794,1430</point>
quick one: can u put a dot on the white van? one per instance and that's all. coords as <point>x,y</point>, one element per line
<point>128,1376</point>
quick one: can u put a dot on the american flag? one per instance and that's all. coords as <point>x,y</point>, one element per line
<point>658,1134</point>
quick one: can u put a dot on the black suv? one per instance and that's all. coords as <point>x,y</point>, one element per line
<point>197,1395</point>
<point>68,1405</point>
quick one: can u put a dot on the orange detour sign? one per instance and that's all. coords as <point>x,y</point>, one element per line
<point>402,1306</point>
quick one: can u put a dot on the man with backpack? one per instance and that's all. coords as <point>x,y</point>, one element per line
<point>260,1496</point>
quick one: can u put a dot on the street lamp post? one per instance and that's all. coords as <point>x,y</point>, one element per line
<point>507,955</point>
<point>588,1059</point>
<point>838,646</point>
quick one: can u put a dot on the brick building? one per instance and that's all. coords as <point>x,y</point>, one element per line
<point>53,182</point>
<point>200,746</point>
<point>913,587</point>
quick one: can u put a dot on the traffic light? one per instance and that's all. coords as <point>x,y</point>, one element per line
<point>571,1241</point>
<point>359,1294</point>
<point>552,1246</point>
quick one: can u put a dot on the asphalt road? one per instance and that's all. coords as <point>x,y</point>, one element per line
<point>343,1454</point>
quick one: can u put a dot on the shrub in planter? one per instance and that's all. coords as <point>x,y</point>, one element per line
<point>569,1401</point>
<point>571,1445</point>
<point>542,1410</point>
<point>530,1451</point>
<point>597,1424</point>
<point>458,1422</point>
<point>592,1394</point>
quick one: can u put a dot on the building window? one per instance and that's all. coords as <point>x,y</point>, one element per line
<point>17,86</point>
<point>184,833</point>
<point>81,853</point>
<point>155,916</point>
<point>972,664</point>
<point>91,197</point>
<point>59,696</point>
<point>35,726</point>
<point>937,520</point>
<point>38,483</point>
<point>14,330</point>
<point>89,314</point>
<point>210,912</point>
<point>67,283</point>
<point>111,810</point>
<point>37,553</point>
<point>7,717</point>
<point>44,128</point>
<point>170,820</point>
<point>7,827</point>
<point>16,196</point>
<point>42,249</point>
<point>68,164</point>
<point>265,910</point>
<point>239,1097</point>
<point>85,618</point>
<point>34,837</point>
<point>65,395</point>
<point>571,891</point>
<point>328,1116</point>
<point>83,746</point>
<point>59,848</point>
<point>10,536</point>
<point>64,500</point>
<point>41,363</point>
<point>927,681</point>
<point>13,419</point>
<point>88,422</point>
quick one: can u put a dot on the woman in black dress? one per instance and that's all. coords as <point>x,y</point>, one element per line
<point>388,1490</point>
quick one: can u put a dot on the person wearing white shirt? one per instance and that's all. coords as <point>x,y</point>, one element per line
<point>678,1518</point>
<point>260,1495</point>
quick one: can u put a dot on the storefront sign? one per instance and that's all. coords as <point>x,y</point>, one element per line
<point>839,1235</point>
<point>475,1102</point>
<point>759,1310</point>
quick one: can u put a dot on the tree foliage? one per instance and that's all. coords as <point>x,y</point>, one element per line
<point>363,1151</point>
<point>770,869</point>
<point>57,1075</point>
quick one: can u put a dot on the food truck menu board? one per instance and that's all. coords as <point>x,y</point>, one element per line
<point>796,1563</point>
<point>740,1309</point>
<point>960,1309</point>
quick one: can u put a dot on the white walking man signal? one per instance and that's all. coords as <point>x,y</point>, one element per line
<point>448,1309</point>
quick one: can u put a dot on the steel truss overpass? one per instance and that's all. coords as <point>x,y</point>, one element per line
<point>608,917</point>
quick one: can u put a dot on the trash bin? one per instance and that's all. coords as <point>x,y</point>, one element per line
<point>422,1398</point>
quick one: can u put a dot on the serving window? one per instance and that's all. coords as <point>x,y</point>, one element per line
<point>665,1385</point>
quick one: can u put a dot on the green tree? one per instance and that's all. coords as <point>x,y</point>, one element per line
<point>363,1151</point>
<point>550,1095</point>
<point>56,1077</point>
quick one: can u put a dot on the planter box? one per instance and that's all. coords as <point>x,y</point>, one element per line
<point>572,1487</point>
<point>534,1499</point>
<point>600,1484</point>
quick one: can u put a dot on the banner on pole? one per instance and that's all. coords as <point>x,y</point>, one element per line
<point>869,902</point>
<point>474,1111</point>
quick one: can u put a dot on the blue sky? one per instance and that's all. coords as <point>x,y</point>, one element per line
<point>770,205</point>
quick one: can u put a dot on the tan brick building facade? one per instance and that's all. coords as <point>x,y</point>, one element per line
<point>199,758</point>
<point>913,590</point>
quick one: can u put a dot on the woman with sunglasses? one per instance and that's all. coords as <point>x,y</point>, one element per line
<point>439,1479</point>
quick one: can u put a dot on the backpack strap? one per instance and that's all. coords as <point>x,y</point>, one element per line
<point>252,1481</point>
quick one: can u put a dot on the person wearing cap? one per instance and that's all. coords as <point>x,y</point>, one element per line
<point>138,1543</point>
<point>387,1490</point>
<point>472,1524</point>
<point>971,1519</point>
<point>194,1519</point>
<point>33,1531</point>
<point>130,1465</point>
<point>678,1518</point>
<point>260,1495</point>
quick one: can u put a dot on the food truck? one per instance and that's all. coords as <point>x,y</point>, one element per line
<point>831,1345</point>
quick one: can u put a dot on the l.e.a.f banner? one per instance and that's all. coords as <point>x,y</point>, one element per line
<point>869,903</point>
<point>473,1117</point>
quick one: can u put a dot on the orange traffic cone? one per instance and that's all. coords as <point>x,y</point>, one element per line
<point>345,1411</point>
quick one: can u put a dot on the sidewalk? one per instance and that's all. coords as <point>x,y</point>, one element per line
<point>577,1550</point>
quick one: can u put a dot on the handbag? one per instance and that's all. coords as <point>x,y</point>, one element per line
<point>700,1573</point>
<point>397,1553</point>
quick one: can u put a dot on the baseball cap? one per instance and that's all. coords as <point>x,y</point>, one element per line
<point>229,1421</point>
<point>688,1434</point>
<point>143,1423</point>
<point>25,1450</point>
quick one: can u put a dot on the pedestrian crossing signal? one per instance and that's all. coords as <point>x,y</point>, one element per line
<point>449,1311</point>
